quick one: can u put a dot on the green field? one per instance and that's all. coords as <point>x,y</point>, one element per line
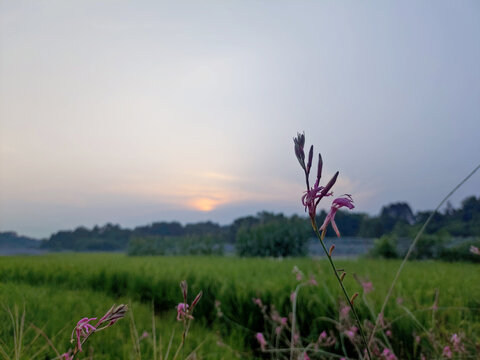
<point>57,290</point>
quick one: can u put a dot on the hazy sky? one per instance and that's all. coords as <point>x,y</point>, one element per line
<point>137,111</point>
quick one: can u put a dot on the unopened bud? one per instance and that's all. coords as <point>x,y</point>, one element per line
<point>320,165</point>
<point>299,142</point>
<point>310,158</point>
<point>184,287</point>
<point>354,296</point>
<point>342,276</point>
<point>196,300</point>
<point>331,250</point>
<point>330,184</point>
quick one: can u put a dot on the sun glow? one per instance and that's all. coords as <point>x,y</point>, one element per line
<point>204,204</point>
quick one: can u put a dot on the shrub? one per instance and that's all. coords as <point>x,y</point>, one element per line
<point>385,247</point>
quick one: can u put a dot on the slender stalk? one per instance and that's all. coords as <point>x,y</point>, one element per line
<point>334,268</point>
<point>294,320</point>
<point>410,250</point>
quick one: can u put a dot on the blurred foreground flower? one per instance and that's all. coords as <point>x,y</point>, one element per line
<point>261,340</point>
<point>84,329</point>
<point>474,250</point>
<point>184,311</point>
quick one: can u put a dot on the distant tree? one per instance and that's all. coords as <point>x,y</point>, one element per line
<point>274,235</point>
<point>385,247</point>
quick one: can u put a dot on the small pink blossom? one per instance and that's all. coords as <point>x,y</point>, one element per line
<point>323,335</point>
<point>367,287</point>
<point>144,335</point>
<point>344,311</point>
<point>283,321</point>
<point>261,340</point>
<point>182,311</point>
<point>298,273</point>
<point>83,330</point>
<point>305,356</point>
<point>388,333</point>
<point>258,302</point>
<point>345,201</point>
<point>313,281</point>
<point>457,343</point>
<point>388,354</point>
<point>351,332</point>
<point>447,352</point>
<point>296,337</point>
<point>292,297</point>
<point>278,330</point>
<point>67,356</point>
<point>474,250</point>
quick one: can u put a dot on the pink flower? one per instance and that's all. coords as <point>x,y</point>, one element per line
<point>144,335</point>
<point>474,250</point>
<point>261,340</point>
<point>323,335</point>
<point>457,343</point>
<point>344,311</point>
<point>351,332</point>
<point>83,330</point>
<point>283,321</point>
<point>292,297</point>
<point>447,352</point>
<point>388,333</point>
<point>367,287</point>
<point>258,302</point>
<point>67,356</point>
<point>313,195</point>
<point>182,311</point>
<point>312,281</point>
<point>388,354</point>
<point>338,203</point>
<point>305,356</point>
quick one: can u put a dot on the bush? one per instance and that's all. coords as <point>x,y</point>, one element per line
<point>385,247</point>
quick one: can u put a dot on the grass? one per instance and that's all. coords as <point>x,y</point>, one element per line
<point>59,289</point>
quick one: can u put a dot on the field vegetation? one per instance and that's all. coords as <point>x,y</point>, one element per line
<point>59,289</point>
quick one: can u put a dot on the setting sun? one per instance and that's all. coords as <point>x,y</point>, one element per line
<point>204,204</point>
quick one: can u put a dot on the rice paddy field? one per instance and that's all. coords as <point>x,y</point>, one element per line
<point>50,293</point>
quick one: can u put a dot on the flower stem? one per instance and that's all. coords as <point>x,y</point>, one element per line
<point>357,319</point>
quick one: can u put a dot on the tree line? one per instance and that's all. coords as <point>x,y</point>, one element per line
<point>266,234</point>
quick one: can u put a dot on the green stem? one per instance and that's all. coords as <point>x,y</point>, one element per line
<point>357,319</point>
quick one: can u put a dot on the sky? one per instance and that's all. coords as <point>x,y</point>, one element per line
<point>132,112</point>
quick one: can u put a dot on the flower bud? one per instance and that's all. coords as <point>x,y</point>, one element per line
<point>331,250</point>
<point>354,296</point>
